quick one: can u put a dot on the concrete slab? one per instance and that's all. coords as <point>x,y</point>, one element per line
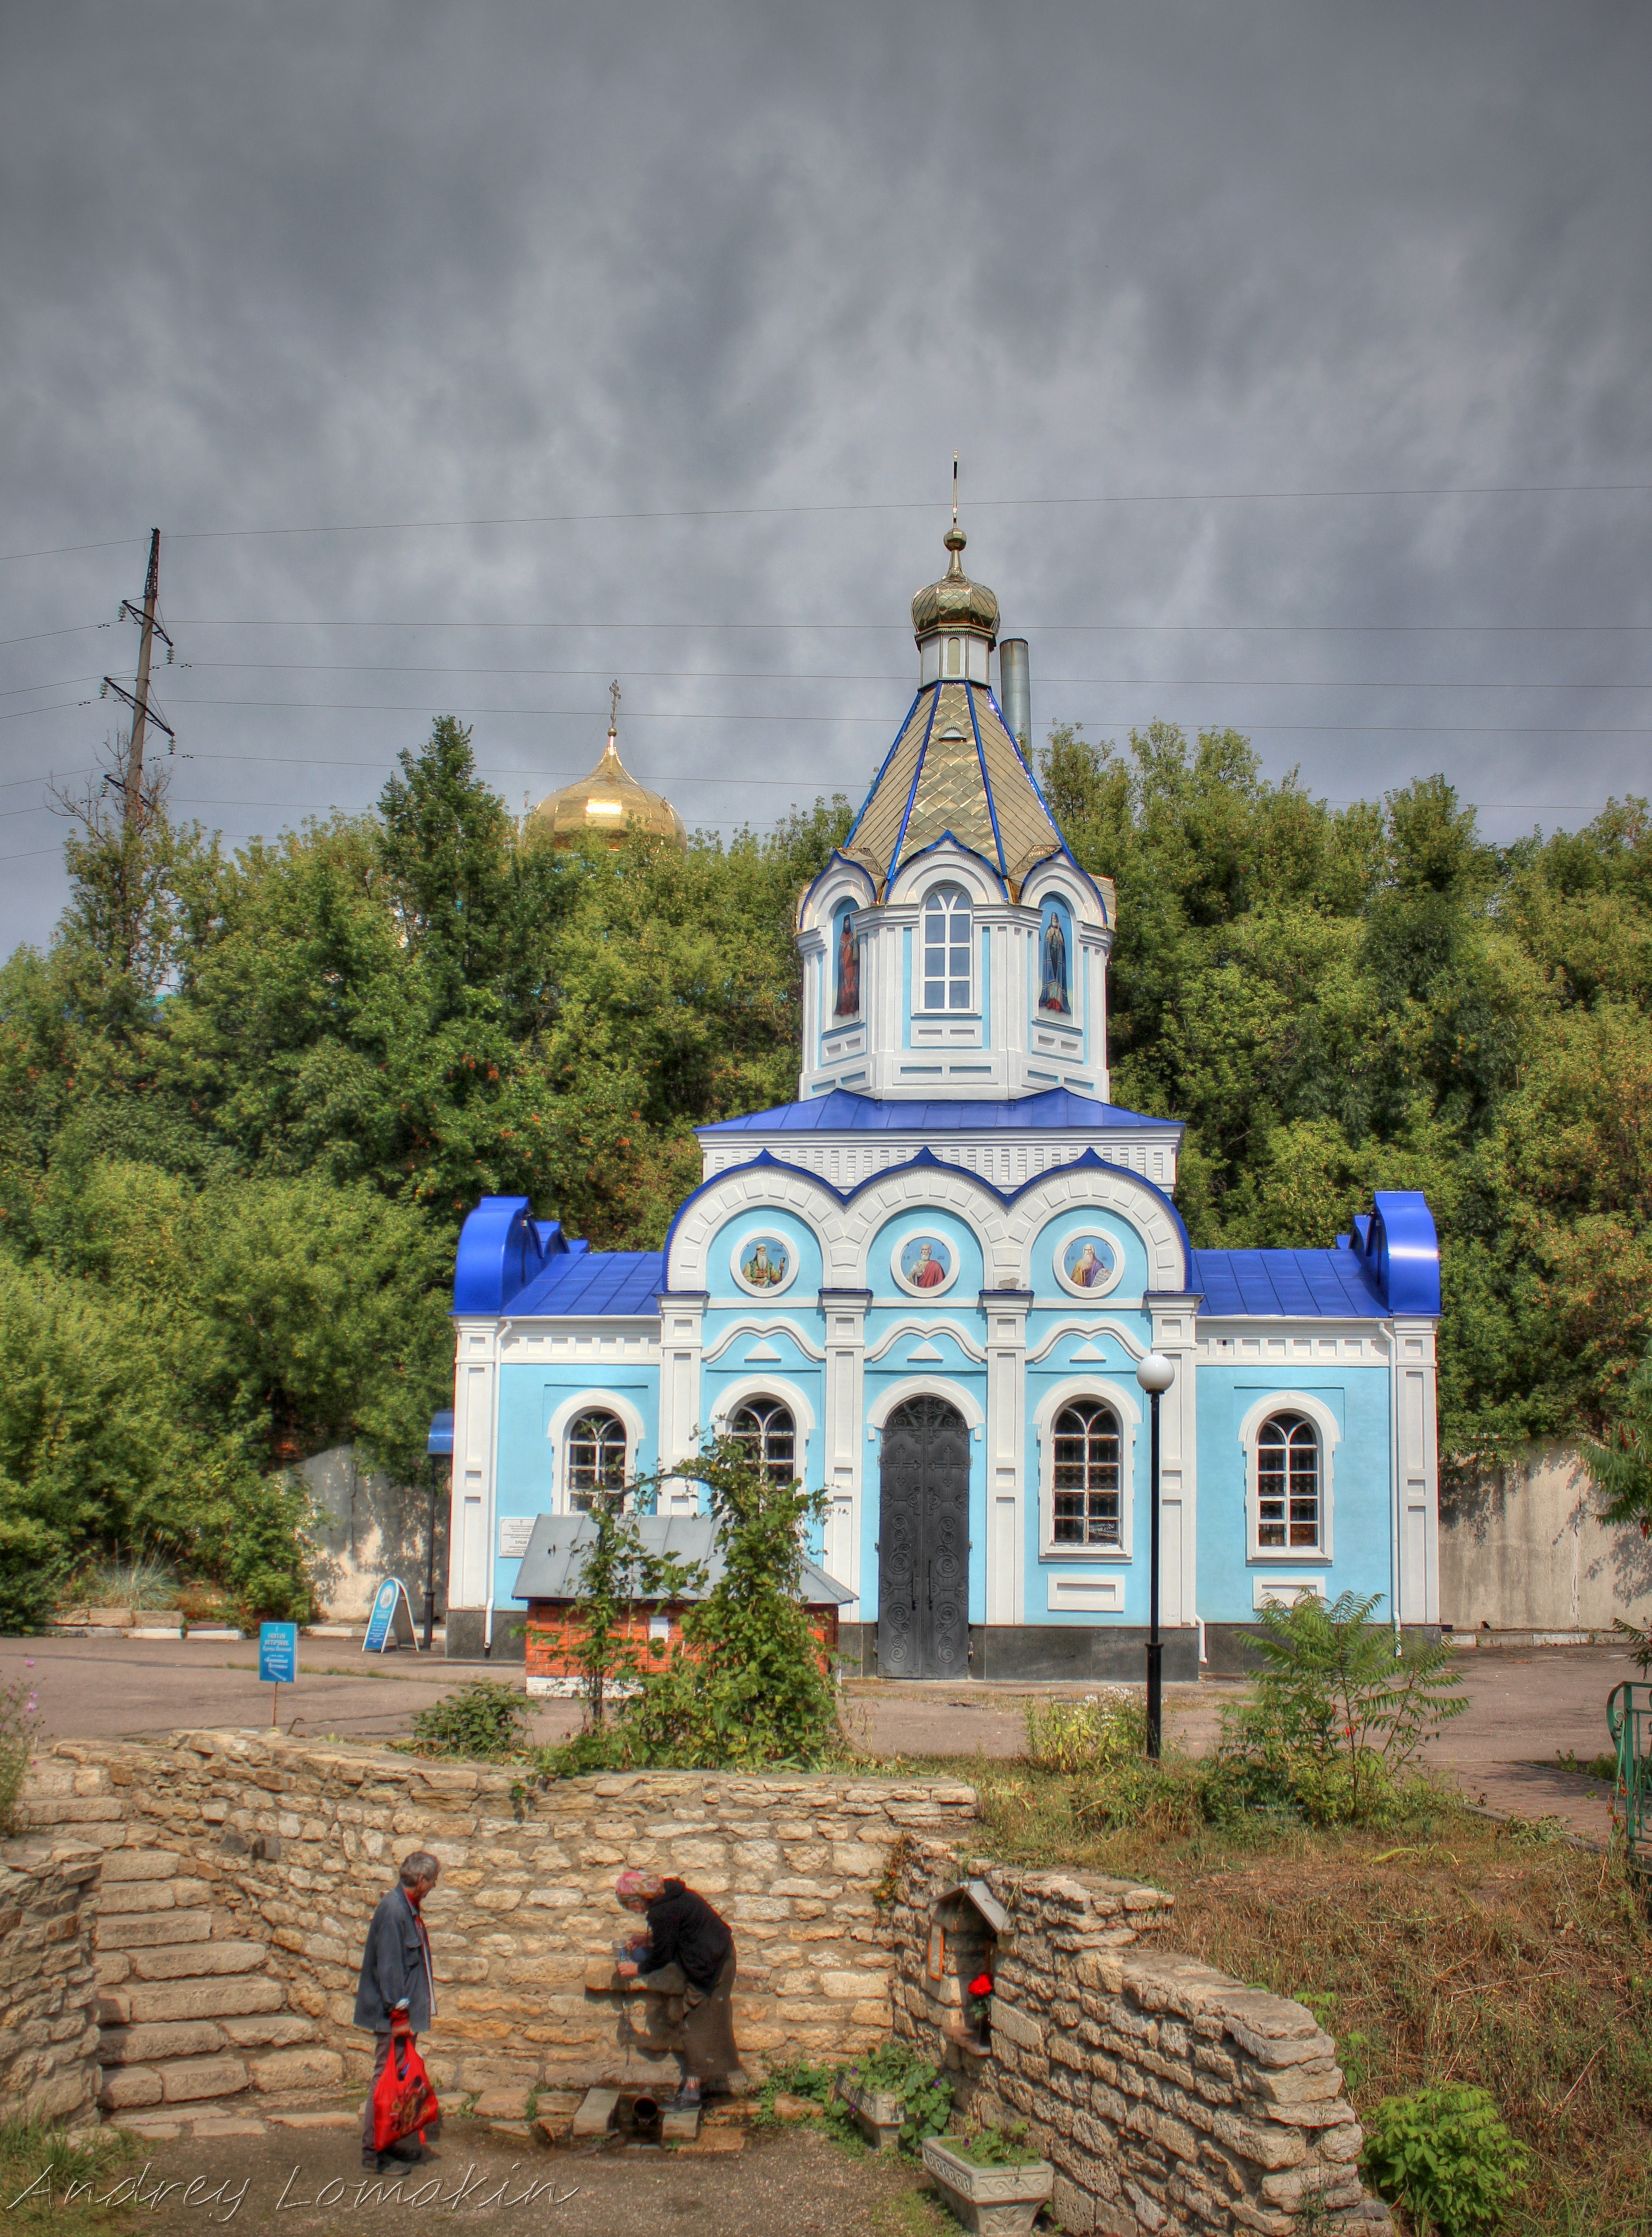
<point>595,2111</point>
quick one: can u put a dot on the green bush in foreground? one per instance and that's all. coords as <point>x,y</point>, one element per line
<point>484,1721</point>
<point>1445,2154</point>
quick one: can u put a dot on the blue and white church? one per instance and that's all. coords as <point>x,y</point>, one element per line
<point>927,1283</point>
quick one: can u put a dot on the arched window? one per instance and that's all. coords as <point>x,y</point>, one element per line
<point>1287,1482</point>
<point>769,1435</point>
<point>946,949</point>
<point>1086,1486</point>
<point>595,1456</point>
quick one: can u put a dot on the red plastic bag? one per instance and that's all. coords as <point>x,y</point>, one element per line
<point>402,2100</point>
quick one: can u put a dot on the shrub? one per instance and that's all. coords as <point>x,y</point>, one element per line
<point>747,1685</point>
<point>267,1569</point>
<point>19,1735</point>
<point>1445,2154</point>
<point>1338,1722</point>
<point>484,1720</point>
<point>1090,1734</point>
<point>32,1567</point>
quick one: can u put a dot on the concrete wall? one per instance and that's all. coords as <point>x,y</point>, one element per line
<point>1167,2096</point>
<point>48,2036</point>
<point>1523,1550</point>
<point>241,1870</point>
<point>374,1529</point>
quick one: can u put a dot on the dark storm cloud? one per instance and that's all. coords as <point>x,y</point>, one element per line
<point>283,266</point>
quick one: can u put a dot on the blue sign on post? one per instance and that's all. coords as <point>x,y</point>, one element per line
<point>277,1659</point>
<point>278,1653</point>
<point>390,1624</point>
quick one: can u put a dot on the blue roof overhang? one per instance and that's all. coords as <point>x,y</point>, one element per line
<point>1058,1110</point>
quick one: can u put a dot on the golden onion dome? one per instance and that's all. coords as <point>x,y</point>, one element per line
<point>605,805</point>
<point>955,602</point>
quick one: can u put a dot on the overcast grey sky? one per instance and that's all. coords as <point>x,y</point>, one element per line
<point>762,268</point>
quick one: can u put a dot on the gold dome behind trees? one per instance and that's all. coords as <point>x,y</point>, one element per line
<point>606,804</point>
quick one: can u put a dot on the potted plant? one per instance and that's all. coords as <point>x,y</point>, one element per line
<point>896,2096</point>
<point>991,2180</point>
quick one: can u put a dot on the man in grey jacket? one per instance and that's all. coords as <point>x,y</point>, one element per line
<point>397,1976</point>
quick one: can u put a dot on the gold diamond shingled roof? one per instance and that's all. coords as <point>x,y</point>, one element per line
<point>937,768</point>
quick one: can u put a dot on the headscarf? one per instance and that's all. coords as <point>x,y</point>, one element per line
<point>639,1887</point>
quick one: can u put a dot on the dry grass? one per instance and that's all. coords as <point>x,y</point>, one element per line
<point>1451,1950</point>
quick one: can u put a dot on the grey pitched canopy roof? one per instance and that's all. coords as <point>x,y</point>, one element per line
<point>550,1566</point>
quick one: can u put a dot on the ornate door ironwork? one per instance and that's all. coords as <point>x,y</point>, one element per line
<point>924,1543</point>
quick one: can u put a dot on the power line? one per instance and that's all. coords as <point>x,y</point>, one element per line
<point>1161,628</point>
<point>895,504</point>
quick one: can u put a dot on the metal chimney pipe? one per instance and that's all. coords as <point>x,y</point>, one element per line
<point>1015,691</point>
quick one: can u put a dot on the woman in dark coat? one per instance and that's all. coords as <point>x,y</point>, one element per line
<point>688,1956</point>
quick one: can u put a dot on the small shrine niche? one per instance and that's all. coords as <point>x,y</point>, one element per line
<point>962,1952</point>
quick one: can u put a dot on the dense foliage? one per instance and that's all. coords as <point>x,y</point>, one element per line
<point>245,1100</point>
<point>1338,1000</point>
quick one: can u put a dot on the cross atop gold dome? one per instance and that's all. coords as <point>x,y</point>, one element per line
<point>604,805</point>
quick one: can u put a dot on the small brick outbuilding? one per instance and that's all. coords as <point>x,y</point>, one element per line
<point>549,1582</point>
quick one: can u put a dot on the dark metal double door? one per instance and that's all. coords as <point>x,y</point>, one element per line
<point>924,1543</point>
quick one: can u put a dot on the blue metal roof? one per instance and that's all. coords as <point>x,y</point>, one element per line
<point>1291,1285</point>
<point>441,1437</point>
<point>843,1111</point>
<point>593,1282</point>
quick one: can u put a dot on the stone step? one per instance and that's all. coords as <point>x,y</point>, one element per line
<point>595,2111</point>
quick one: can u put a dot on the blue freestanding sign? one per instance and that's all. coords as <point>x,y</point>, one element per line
<point>277,1659</point>
<point>278,1653</point>
<point>390,1624</point>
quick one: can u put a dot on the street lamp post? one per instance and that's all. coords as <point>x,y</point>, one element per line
<point>1155,1374</point>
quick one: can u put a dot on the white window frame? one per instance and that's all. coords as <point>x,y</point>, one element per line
<point>589,1401</point>
<point>733,1395</point>
<point>1330,1436</point>
<point>1098,1390</point>
<point>955,892</point>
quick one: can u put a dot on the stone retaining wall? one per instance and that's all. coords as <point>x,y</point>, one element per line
<point>47,2024</point>
<point>241,1868</point>
<point>1167,2096</point>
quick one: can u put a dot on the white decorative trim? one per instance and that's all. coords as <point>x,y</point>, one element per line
<point>965,1342</point>
<point>1130,1338</point>
<point>1324,1422</point>
<point>925,1233</point>
<point>1285,1592</point>
<point>1129,1419</point>
<point>1083,1232</point>
<point>1093,1595</point>
<point>753,1237</point>
<point>880,1407</point>
<point>588,1402</point>
<point>806,1344</point>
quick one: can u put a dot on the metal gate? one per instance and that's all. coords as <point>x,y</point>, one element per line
<point>924,1543</point>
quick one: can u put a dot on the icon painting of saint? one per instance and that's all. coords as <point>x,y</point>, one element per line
<point>847,1003</point>
<point>1053,984</point>
<point>766,1267</point>
<point>1088,1261</point>
<point>925,1263</point>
